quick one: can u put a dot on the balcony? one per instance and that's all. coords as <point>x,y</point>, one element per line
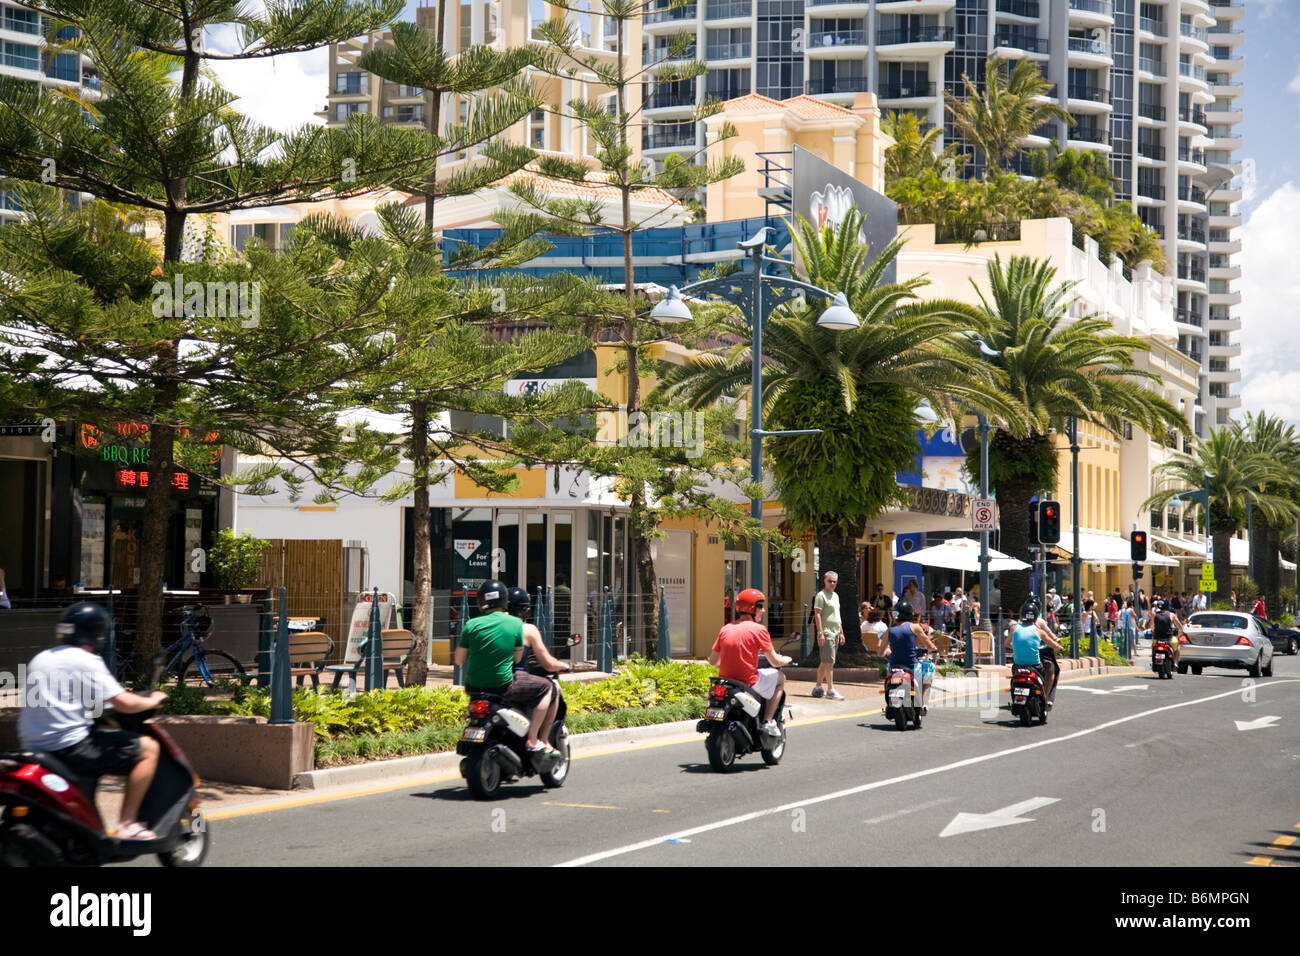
<point>830,85</point>
<point>1092,10</point>
<point>1151,151</point>
<point>1191,234</point>
<point>1186,155</point>
<point>728,92</point>
<point>1090,94</point>
<point>662,55</point>
<point>1089,46</point>
<point>898,91</point>
<point>1093,135</point>
<point>1153,66</point>
<point>676,14</point>
<point>1195,115</point>
<point>1154,27</point>
<point>1192,72</point>
<point>1151,191</point>
<point>1193,33</point>
<point>728,9</point>
<point>1016,40</point>
<point>940,38</point>
<point>668,136</point>
<point>670,99</point>
<point>716,52</point>
<point>836,43</point>
<point>1019,8</point>
<point>1187,317</point>
<point>1191,274</point>
<point>1151,111</point>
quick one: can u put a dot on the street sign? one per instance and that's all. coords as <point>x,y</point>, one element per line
<point>1209,584</point>
<point>984,515</point>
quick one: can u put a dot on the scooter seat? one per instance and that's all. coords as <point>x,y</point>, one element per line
<point>86,784</point>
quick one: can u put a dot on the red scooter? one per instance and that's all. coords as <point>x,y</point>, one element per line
<point>48,815</point>
<point>1027,701</point>
<point>1162,660</point>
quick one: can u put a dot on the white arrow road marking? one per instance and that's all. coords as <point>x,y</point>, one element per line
<point>1256,724</point>
<point>1086,690</point>
<point>1132,687</point>
<point>969,822</point>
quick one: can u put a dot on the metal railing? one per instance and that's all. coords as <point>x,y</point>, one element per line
<point>1008,231</point>
<point>1152,111</point>
<point>1094,93</point>
<point>1191,155</point>
<point>915,35</point>
<point>1019,8</point>
<point>727,51</point>
<point>1088,134</point>
<point>1017,40</point>
<point>853,83</point>
<point>902,91</point>
<point>837,38</point>
<point>1104,7</point>
<point>1157,27</point>
<point>1196,116</point>
<point>1151,151</point>
<point>665,135</point>
<point>1088,45</point>
<point>1192,71</point>
<point>1187,317</point>
<point>1193,32</point>
<point>1151,190</point>
<point>664,99</point>
<point>685,12</point>
<point>725,93</point>
<point>1152,65</point>
<point>724,9</point>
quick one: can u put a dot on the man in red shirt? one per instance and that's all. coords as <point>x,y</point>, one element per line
<point>735,654</point>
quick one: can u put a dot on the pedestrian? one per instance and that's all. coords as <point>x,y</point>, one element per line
<point>911,592</point>
<point>873,624</point>
<point>1259,610</point>
<point>1128,626</point>
<point>1112,613</point>
<point>936,611</point>
<point>830,635</point>
<point>883,603</point>
<point>995,598</point>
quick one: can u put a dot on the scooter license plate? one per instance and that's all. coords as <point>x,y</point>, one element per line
<point>474,733</point>
<point>1160,657</point>
<point>715,713</point>
<point>1021,691</point>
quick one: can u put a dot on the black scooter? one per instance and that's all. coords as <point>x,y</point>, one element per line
<point>732,721</point>
<point>48,815</point>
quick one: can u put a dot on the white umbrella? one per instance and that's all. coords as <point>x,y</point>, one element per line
<point>960,554</point>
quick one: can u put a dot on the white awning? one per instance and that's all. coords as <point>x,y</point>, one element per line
<point>1188,550</point>
<point>1105,549</point>
<point>1286,565</point>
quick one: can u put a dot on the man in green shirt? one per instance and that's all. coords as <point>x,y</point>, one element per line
<point>488,649</point>
<point>830,635</point>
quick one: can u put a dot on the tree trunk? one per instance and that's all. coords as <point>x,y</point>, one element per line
<point>1013,523</point>
<point>153,544</point>
<point>1223,561</point>
<point>839,553</point>
<point>1268,571</point>
<point>417,670</point>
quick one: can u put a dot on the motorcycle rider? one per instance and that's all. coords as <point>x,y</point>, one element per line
<point>735,655</point>
<point>490,647</point>
<point>901,650</point>
<point>1165,627</point>
<point>537,659</point>
<point>67,686</point>
<point>1033,645</point>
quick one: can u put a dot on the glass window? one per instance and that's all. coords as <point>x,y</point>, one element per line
<point>64,66</point>
<point>352,83</point>
<point>537,15</point>
<point>21,21</point>
<point>22,55</point>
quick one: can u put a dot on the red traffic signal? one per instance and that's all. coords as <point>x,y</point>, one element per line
<point>1049,522</point>
<point>1138,547</point>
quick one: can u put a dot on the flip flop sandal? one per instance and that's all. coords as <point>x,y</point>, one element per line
<point>134,831</point>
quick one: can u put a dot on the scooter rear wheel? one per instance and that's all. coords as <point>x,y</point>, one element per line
<point>1025,716</point>
<point>916,718</point>
<point>195,848</point>
<point>483,776</point>
<point>900,719</point>
<point>556,776</point>
<point>1042,712</point>
<point>721,747</point>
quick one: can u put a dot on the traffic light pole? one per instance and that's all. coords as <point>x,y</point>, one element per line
<point>1076,562</point>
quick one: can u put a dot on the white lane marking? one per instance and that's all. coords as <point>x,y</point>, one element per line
<point>1086,690</point>
<point>1132,687</point>
<point>878,784</point>
<point>902,813</point>
<point>1259,724</point>
<point>1148,740</point>
<point>970,822</point>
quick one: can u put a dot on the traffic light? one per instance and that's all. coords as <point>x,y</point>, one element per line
<point>1138,547</point>
<point>1033,521</point>
<point>1049,522</point>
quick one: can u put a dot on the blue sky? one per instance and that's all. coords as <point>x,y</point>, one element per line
<point>1270,258</point>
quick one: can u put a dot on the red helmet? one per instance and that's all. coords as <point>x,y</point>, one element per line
<point>748,600</point>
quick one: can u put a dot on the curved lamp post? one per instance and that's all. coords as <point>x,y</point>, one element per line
<point>757,295</point>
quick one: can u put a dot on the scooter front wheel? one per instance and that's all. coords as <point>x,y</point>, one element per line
<point>195,848</point>
<point>900,719</point>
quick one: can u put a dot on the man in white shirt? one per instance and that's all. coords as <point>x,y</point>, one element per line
<point>67,687</point>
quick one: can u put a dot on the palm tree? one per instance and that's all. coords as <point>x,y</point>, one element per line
<point>861,387</point>
<point>1011,107</point>
<point>1057,368</point>
<point>1239,472</point>
<point>914,152</point>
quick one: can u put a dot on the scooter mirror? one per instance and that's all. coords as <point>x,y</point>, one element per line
<point>574,641</point>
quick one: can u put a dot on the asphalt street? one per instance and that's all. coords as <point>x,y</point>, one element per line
<point>1130,770</point>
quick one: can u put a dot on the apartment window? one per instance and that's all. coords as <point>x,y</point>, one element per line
<point>537,129</point>
<point>582,18</point>
<point>905,79</point>
<point>466,24</point>
<point>272,235</point>
<point>22,55</point>
<point>537,15</point>
<point>609,32</point>
<point>21,21</point>
<point>490,23</point>
<point>405,114</point>
<point>343,110</point>
<point>352,84</point>
<point>727,44</point>
<point>727,84</point>
<point>64,66</point>
<point>404,90</point>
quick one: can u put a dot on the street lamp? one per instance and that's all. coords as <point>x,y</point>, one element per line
<point>985,622</point>
<point>757,298</point>
<point>1076,562</point>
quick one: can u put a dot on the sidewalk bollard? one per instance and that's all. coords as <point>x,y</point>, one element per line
<point>663,646</point>
<point>281,682</point>
<point>803,636</point>
<point>539,616</point>
<point>1000,652</point>
<point>547,626</point>
<point>606,659</point>
<point>458,672</point>
<point>374,648</point>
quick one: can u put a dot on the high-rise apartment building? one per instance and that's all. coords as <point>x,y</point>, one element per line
<point>26,55</point>
<point>1153,85</point>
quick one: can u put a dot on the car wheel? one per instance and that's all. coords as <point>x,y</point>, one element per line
<point>1268,668</point>
<point>1253,669</point>
<point>1196,669</point>
<point>1293,647</point>
<point>1182,668</point>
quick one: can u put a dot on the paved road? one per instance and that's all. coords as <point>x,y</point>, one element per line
<point>1129,771</point>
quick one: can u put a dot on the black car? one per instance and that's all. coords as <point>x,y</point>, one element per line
<point>1286,640</point>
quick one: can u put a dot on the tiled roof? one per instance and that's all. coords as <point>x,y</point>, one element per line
<point>751,101</point>
<point>807,106</point>
<point>594,188</point>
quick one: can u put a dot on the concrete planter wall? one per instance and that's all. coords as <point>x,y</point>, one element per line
<point>247,750</point>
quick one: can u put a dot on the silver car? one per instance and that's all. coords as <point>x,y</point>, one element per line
<point>1225,639</point>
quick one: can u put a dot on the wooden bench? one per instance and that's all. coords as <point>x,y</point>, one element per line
<point>308,652</point>
<point>397,644</point>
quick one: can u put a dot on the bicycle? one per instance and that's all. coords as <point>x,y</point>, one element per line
<point>187,658</point>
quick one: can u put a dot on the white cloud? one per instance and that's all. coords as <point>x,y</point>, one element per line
<point>283,92</point>
<point>1270,288</point>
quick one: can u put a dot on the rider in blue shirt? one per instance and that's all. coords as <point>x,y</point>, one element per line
<point>1034,645</point>
<point>901,640</point>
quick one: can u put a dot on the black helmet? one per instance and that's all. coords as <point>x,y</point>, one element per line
<point>520,603</point>
<point>1029,612</point>
<point>84,624</point>
<point>1158,604</point>
<point>903,611</point>
<point>493,596</point>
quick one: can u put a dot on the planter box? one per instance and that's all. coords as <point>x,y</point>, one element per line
<point>247,750</point>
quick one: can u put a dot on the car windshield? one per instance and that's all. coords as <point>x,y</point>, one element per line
<point>1218,620</point>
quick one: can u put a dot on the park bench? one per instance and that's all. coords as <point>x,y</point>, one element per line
<point>397,644</point>
<point>308,652</point>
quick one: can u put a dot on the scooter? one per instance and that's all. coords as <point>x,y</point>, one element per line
<point>494,744</point>
<point>1162,660</point>
<point>48,815</point>
<point>1027,701</point>
<point>732,720</point>
<point>901,705</point>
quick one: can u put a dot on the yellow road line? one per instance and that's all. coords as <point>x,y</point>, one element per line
<point>661,811</point>
<point>581,806</point>
<point>1282,842</point>
<point>1259,861</point>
